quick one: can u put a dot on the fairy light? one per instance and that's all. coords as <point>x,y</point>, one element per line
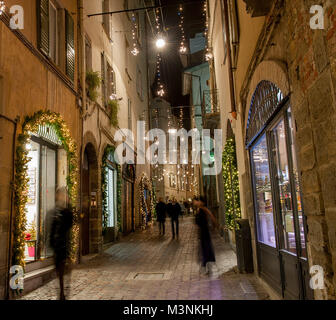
<point>2,7</point>
<point>208,52</point>
<point>135,51</point>
<point>183,48</point>
<point>160,43</point>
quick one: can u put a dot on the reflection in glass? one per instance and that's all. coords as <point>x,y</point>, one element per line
<point>111,196</point>
<point>281,163</point>
<point>297,186</point>
<point>32,206</point>
<point>264,204</point>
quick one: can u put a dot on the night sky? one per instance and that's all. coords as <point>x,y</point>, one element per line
<point>171,63</point>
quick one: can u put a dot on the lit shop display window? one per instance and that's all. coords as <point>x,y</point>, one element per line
<point>263,193</point>
<point>47,169</point>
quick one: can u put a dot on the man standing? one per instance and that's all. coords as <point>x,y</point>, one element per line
<point>174,210</point>
<point>161,215</point>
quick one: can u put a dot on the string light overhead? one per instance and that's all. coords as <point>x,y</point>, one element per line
<point>183,48</point>
<point>208,52</point>
<point>160,43</point>
<point>135,51</point>
<point>2,7</point>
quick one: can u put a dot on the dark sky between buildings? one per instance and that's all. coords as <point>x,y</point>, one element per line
<point>171,64</point>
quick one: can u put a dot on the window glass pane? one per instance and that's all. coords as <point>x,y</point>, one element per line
<point>53,32</point>
<point>48,192</point>
<point>263,193</point>
<point>281,163</point>
<point>297,186</point>
<point>111,197</point>
<point>32,206</point>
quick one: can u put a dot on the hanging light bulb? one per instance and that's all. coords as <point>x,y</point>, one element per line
<point>160,43</point>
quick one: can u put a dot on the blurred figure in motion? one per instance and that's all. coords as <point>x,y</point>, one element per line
<point>161,215</point>
<point>174,211</point>
<point>62,222</point>
<point>206,248</point>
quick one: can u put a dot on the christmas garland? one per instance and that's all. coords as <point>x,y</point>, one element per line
<point>231,185</point>
<point>145,182</point>
<point>108,151</point>
<point>30,125</point>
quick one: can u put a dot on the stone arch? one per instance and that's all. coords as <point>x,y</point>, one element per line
<point>269,70</point>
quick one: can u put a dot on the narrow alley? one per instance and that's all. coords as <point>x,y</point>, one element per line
<point>144,266</point>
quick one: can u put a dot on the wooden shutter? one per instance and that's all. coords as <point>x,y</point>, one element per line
<point>70,45</point>
<point>43,25</point>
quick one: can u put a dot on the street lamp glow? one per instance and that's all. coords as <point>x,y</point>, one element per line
<point>160,43</point>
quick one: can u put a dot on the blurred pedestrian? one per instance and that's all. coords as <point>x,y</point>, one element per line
<point>174,211</point>
<point>202,220</point>
<point>60,235</point>
<point>161,209</point>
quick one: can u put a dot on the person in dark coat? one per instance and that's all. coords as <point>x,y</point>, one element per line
<point>174,211</point>
<point>61,225</point>
<point>161,216</point>
<point>206,248</point>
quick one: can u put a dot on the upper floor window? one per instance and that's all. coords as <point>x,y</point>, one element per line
<point>55,27</point>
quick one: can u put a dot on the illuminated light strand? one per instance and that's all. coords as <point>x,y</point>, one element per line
<point>208,52</point>
<point>2,7</point>
<point>160,87</point>
<point>135,51</point>
<point>183,48</point>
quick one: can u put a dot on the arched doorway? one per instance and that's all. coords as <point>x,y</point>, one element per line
<point>279,219</point>
<point>89,215</point>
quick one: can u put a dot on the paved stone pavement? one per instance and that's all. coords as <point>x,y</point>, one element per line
<point>144,266</point>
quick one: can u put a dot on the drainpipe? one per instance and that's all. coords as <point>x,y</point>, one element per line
<point>9,263</point>
<point>225,18</point>
<point>81,44</point>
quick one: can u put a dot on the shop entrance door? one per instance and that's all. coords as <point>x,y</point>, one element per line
<point>282,255</point>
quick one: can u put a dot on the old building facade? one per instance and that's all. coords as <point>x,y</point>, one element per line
<point>67,84</point>
<point>276,81</point>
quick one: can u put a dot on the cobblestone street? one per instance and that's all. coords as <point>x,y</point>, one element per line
<point>144,266</point>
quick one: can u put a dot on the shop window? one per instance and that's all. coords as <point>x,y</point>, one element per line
<point>280,159</point>
<point>47,170</point>
<point>111,178</point>
<point>263,193</point>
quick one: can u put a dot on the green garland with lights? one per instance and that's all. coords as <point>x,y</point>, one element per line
<point>231,185</point>
<point>108,151</point>
<point>146,183</point>
<point>31,125</point>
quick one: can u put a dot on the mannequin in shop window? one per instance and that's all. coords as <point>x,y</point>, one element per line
<point>60,235</point>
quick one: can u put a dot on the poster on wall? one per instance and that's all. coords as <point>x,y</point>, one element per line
<point>31,186</point>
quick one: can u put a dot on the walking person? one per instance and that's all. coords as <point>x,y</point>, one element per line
<point>206,248</point>
<point>174,211</point>
<point>161,209</point>
<point>60,235</point>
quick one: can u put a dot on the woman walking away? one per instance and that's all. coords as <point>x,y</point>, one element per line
<point>60,235</point>
<point>206,247</point>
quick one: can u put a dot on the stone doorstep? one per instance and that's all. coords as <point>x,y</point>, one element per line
<point>37,278</point>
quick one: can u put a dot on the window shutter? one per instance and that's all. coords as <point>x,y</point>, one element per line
<point>70,46</point>
<point>43,25</point>
<point>103,76</point>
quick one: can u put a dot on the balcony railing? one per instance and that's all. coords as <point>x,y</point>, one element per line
<point>210,102</point>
